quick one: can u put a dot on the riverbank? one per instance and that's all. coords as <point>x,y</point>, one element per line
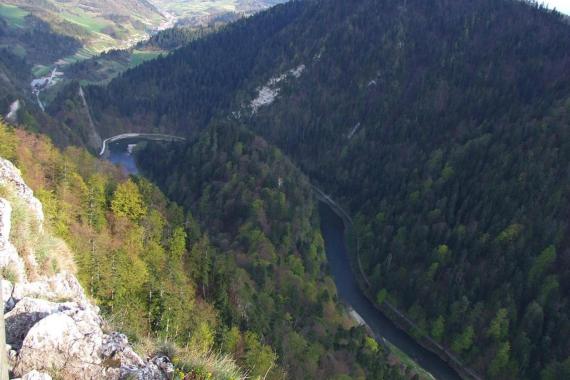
<point>429,348</point>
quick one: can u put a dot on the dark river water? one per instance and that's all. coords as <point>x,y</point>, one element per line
<point>332,228</point>
<point>119,154</point>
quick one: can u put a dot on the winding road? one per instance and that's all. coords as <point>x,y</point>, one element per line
<point>142,136</point>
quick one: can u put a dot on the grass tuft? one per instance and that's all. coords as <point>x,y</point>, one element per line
<point>193,364</point>
<point>190,363</point>
<point>9,274</point>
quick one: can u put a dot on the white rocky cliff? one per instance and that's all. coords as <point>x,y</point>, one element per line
<point>52,329</point>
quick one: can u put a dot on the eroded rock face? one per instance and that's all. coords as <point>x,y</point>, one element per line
<point>35,375</point>
<point>61,287</point>
<point>72,344</point>
<point>57,343</point>
<point>11,176</point>
<point>159,367</point>
<point>5,221</point>
<point>23,316</point>
<point>7,289</point>
<point>51,326</point>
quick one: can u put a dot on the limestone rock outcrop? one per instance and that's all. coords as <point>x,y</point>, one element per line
<point>51,326</point>
<point>35,375</point>
<point>11,176</point>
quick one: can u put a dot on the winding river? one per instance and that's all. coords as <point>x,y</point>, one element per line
<point>332,228</point>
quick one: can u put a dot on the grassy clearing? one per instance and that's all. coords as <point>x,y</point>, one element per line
<point>81,54</point>
<point>109,68</point>
<point>40,71</point>
<point>14,15</point>
<point>91,23</point>
<point>208,6</point>
<point>97,28</point>
<point>140,56</point>
<point>188,8</point>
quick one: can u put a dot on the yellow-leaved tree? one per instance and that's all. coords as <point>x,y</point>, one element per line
<point>127,201</point>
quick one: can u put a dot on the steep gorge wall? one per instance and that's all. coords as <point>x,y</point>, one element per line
<point>52,328</point>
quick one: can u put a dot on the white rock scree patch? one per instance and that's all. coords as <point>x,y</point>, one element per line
<point>267,94</point>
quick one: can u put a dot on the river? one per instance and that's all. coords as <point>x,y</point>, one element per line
<point>332,228</point>
<point>120,153</point>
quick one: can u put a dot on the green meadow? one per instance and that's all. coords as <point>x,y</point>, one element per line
<point>89,22</point>
<point>14,15</point>
<point>140,56</point>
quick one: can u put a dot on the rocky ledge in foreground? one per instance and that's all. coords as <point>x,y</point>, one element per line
<point>51,326</point>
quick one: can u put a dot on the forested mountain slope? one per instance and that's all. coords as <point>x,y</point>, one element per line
<point>443,125</point>
<point>266,268</point>
<point>233,286</point>
<point>130,247</point>
<point>347,45</point>
<point>188,86</point>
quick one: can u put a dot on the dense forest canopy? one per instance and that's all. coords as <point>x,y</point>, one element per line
<point>442,125</point>
<point>266,270</point>
<point>232,285</point>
